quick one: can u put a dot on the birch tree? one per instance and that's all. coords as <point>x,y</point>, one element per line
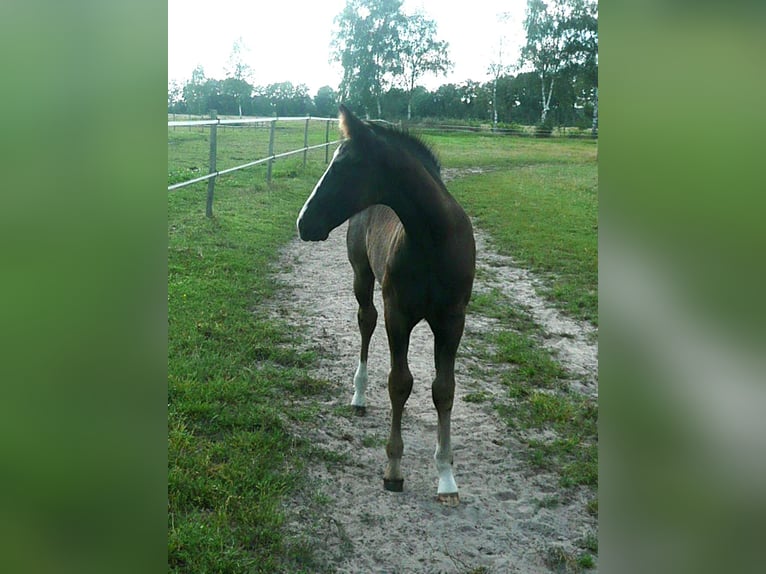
<point>195,93</point>
<point>499,66</point>
<point>560,34</point>
<point>238,75</point>
<point>366,43</point>
<point>420,53</point>
<point>545,46</point>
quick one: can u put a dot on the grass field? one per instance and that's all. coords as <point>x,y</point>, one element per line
<point>232,373</point>
<point>230,458</point>
<point>540,206</point>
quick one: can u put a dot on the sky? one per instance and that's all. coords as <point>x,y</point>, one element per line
<point>289,40</point>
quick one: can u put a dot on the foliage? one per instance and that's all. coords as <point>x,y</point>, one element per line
<point>283,99</point>
<point>366,43</point>
<point>561,35</point>
<point>381,48</point>
<point>237,68</point>
<point>326,102</point>
<point>195,92</point>
<point>543,130</point>
<point>385,52</point>
<point>420,53</point>
<point>498,68</point>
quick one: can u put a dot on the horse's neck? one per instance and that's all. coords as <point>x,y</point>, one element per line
<point>427,212</point>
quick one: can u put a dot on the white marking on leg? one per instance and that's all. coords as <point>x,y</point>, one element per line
<point>360,385</point>
<point>443,458</point>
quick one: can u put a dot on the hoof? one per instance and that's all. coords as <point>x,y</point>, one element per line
<point>359,411</point>
<point>393,484</point>
<point>452,499</point>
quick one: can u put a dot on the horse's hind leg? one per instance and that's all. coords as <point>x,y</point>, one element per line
<point>447,336</point>
<point>367,317</point>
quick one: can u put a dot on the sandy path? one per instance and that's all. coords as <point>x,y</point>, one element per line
<point>499,524</point>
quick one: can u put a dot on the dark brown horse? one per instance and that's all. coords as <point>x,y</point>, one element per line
<point>411,235</point>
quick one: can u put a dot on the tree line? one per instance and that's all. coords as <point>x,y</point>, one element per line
<point>385,52</point>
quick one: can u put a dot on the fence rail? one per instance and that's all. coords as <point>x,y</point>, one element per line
<point>213,124</point>
<point>223,121</point>
<point>251,164</point>
<point>519,131</point>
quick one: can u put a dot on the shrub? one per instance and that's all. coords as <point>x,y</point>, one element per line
<point>543,130</point>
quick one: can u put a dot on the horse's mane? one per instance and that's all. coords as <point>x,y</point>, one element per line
<point>410,143</point>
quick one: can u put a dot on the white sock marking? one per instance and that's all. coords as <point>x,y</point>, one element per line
<point>447,484</point>
<point>360,385</point>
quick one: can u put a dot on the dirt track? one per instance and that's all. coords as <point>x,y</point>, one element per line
<point>500,524</point>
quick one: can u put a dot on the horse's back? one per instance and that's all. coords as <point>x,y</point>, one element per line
<point>424,280</point>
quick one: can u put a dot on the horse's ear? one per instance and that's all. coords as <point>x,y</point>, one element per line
<point>350,126</point>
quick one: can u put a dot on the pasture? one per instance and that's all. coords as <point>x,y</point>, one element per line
<point>239,381</point>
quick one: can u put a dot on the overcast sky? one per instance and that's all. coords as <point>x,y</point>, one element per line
<point>288,40</point>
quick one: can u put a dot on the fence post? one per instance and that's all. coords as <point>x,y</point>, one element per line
<point>211,181</point>
<point>271,150</point>
<point>306,140</point>
<point>327,141</point>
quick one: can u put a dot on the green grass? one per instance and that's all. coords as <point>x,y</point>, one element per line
<point>539,400</point>
<point>458,150</point>
<point>546,217</point>
<point>233,373</point>
<point>534,364</point>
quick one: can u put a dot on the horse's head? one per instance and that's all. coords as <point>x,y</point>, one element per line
<point>348,185</point>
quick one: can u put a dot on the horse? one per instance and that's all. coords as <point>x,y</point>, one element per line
<point>407,232</point>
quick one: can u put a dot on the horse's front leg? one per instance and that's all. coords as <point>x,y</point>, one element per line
<point>447,337</point>
<point>367,317</point>
<point>399,388</point>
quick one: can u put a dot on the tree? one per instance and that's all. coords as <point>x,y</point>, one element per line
<point>175,97</point>
<point>238,74</point>
<point>545,45</point>
<point>504,100</point>
<point>560,35</point>
<point>498,67</point>
<point>366,43</point>
<point>472,101</point>
<point>236,66</point>
<point>195,92</point>
<point>583,49</point>
<point>287,100</point>
<point>446,100</point>
<point>525,93</point>
<point>238,92</point>
<point>394,104</point>
<point>420,53</point>
<point>326,102</point>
